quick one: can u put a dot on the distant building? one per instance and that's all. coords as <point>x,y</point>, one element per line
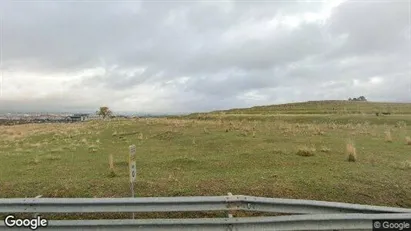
<point>122,116</point>
<point>93,117</point>
<point>78,118</point>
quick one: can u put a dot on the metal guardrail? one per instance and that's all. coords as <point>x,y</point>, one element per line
<point>313,215</point>
<point>183,204</point>
<point>295,222</point>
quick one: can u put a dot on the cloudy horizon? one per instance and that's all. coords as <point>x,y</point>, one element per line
<point>186,56</point>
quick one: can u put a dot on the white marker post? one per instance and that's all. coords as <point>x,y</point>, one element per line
<point>132,168</point>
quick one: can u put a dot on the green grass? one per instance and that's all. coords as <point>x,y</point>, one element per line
<point>325,107</point>
<point>299,156</point>
<point>73,164</point>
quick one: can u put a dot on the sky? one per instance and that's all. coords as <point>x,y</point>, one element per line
<point>191,56</point>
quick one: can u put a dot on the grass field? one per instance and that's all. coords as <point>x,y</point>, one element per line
<point>288,156</point>
<point>326,107</point>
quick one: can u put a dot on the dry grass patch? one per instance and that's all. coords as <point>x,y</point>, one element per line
<point>364,128</point>
<point>36,160</point>
<point>373,131</point>
<point>325,149</point>
<point>52,157</point>
<point>401,124</point>
<point>306,151</point>
<point>167,135</point>
<point>57,150</point>
<point>24,130</point>
<point>92,148</point>
<point>319,132</point>
<point>405,165</point>
<point>332,125</point>
<point>315,129</point>
<point>206,131</point>
<point>286,127</point>
<point>408,140</point>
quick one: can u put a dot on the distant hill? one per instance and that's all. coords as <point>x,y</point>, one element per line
<point>325,107</point>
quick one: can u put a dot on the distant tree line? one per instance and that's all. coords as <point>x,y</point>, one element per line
<point>361,98</point>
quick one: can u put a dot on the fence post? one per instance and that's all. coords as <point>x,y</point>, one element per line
<point>132,168</point>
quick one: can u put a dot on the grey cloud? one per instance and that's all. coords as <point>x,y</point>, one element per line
<point>281,48</point>
<point>178,39</point>
<point>117,79</point>
<point>49,104</point>
<point>372,28</point>
<point>68,35</point>
<point>230,84</point>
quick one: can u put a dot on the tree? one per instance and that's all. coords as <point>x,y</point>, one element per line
<point>361,98</point>
<point>104,112</point>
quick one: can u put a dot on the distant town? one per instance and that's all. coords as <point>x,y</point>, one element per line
<point>42,117</point>
<point>24,118</point>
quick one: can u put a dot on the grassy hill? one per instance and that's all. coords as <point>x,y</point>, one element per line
<point>325,107</point>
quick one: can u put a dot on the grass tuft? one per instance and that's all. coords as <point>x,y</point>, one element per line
<point>57,150</point>
<point>206,131</point>
<point>401,124</point>
<point>325,149</point>
<point>405,165</point>
<point>306,151</point>
<point>112,173</point>
<point>52,157</point>
<point>36,160</point>
<point>408,140</point>
<point>140,136</point>
<point>351,152</point>
<point>388,137</point>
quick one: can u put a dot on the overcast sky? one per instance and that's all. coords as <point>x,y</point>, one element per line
<point>186,56</point>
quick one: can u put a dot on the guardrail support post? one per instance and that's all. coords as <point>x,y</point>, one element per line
<point>230,215</point>
<point>36,214</point>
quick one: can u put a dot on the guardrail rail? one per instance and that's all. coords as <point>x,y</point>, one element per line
<point>306,214</point>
